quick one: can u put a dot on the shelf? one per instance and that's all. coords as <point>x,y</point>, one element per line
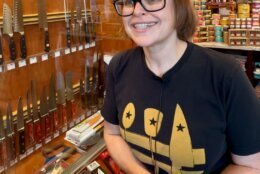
<point>226,46</point>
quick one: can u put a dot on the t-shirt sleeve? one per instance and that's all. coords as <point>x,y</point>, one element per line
<point>109,109</point>
<point>243,114</point>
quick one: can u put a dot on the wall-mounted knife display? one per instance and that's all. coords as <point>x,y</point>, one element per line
<point>1,48</point>
<point>71,104</point>
<point>20,128</point>
<point>79,20</point>
<point>67,21</point>
<point>45,118</point>
<point>87,32</point>
<point>3,152</point>
<point>10,137</point>
<point>61,102</point>
<point>43,23</point>
<point>8,30</point>
<point>55,121</point>
<point>36,119</point>
<point>29,132</point>
<point>19,26</point>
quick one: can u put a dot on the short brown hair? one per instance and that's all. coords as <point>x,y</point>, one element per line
<point>185,19</point>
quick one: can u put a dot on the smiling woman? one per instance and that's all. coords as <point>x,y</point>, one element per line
<point>172,106</point>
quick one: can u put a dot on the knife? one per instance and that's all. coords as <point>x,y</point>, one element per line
<point>1,49</point>
<point>19,26</point>
<point>36,119</point>
<point>79,20</point>
<point>53,107</point>
<point>70,96</point>
<point>93,7</point>
<point>20,127</point>
<point>44,113</point>
<point>29,133</point>
<point>101,85</point>
<point>89,86</point>
<point>43,23</point>
<point>67,21</point>
<point>7,29</point>
<point>3,152</point>
<point>87,36</point>
<point>10,138</point>
<point>61,103</point>
<point>95,78</point>
<point>82,95</point>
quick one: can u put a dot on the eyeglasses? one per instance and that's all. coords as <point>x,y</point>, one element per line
<point>126,7</point>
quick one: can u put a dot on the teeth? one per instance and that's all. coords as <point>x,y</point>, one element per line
<point>144,25</point>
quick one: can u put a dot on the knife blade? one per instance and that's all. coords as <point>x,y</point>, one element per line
<point>79,20</point>
<point>88,85</point>
<point>67,21</point>
<point>1,48</point>
<point>36,118</point>
<point>20,127</point>
<point>87,34</point>
<point>61,102</point>
<point>7,29</point>
<point>43,23</point>
<point>3,152</point>
<point>95,79</point>
<point>10,138</point>
<point>73,25</point>
<point>82,95</point>
<point>44,112</point>
<point>19,26</point>
<point>53,106</point>
<point>29,133</point>
<point>70,96</point>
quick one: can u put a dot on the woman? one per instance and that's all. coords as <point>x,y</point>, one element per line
<point>172,106</point>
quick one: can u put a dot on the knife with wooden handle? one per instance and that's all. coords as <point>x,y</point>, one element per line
<point>79,20</point>
<point>7,29</point>
<point>19,26</point>
<point>87,34</point>
<point>10,138</point>
<point>43,23</point>
<point>1,49</point>
<point>29,133</point>
<point>54,119</point>
<point>67,21</point>
<point>20,127</point>
<point>3,152</point>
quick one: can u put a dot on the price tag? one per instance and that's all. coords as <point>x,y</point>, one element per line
<point>47,140</point>
<point>86,45</point>
<point>92,44</point>
<point>67,51</point>
<point>92,166</point>
<point>64,129</point>
<point>22,63</point>
<point>22,156</point>
<point>44,57</point>
<point>29,151</point>
<point>10,66</point>
<point>71,124</point>
<point>38,146</point>
<point>56,134</point>
<point>57,54</point>
<point>80,47</point>
<point>1,68</point>
<point>82,117</point>
<point>33,60</point>
<point>73,49</point>
<point>89,113</point>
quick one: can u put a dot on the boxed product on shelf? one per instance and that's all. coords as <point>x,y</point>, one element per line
<point>254,33</point>
<point>237,32</point>
<point>254,42</point>
<point>238,41</point>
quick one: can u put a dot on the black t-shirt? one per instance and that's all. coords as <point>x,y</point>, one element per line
<point>190,119</point>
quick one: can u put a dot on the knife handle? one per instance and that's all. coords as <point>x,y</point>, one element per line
<point>37,131</point>
<point>23,46</point>
<point>64,114</point>
<point>93,31</point>
<point>10,144</point>
<point>46,41</point>
<point>21,134</point>
<point>12,48</point>
<point>87,33</point>
<point>47,125</point>
<point>80,33</point>
<point>1,51</point>
<point>43,127</point>
<point>83,101</point>
<point>54,116</point>
<point>68,37</point>
<point>73,110</point>
<point>29,135</point>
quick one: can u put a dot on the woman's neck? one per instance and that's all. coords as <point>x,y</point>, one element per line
<point>161,58</point>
